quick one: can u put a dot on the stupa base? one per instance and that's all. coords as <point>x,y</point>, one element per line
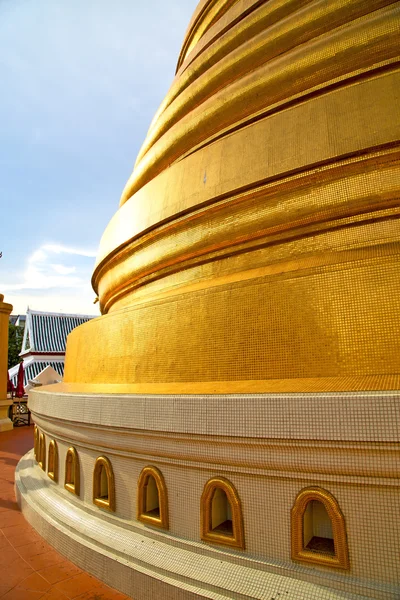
<point>271,447</point>
<point>136,561</point>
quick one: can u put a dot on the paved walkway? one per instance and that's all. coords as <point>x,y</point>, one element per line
<point>29,567</point>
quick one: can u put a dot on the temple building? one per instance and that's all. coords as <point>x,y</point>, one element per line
<point>44,342</point>
<point>229,426</point>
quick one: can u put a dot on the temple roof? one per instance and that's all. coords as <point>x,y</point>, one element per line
<point>47,332</point>
<point>33,366</point>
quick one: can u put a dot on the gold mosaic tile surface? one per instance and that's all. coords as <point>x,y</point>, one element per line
<point>258,237</point>
<point>248,352</point>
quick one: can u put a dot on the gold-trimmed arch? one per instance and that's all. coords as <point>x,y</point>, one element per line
<point>36,443</point>
<point>152,498</point>
<point>220,495</point>
<point>72,472</point>
<point>52,461</point>
<point>300,552</point>
<point>104,484</point>
<point>42,452</point>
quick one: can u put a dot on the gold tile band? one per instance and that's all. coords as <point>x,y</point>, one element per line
<point>244,257</point>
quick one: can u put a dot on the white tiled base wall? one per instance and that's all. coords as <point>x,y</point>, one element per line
<point>355,458</point>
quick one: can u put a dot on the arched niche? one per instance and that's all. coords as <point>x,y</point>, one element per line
<point>319,529</point>
<point>36,443</point>
<point>221,514</point>
<point>52,461</point>
<point>103,484</point>
<point>42,452</point>
<point>152,499</point>
<point>72,475</point>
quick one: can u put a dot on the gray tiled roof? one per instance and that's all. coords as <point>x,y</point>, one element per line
<point>34,368</point>
<point>47,332</point>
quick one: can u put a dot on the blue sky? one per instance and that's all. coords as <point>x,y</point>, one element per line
<point>80,83</point>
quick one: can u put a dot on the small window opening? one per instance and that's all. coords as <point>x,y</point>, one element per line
<point>221,513</point>
<point>36,443</point>
<point>69,473</point>
<point>51,458</point>
<point>103,484</point>
<point>72,479</point>
<point>317,529</point>
<point>42,452</point>
<point>52,464</point>
<point>151,499</point>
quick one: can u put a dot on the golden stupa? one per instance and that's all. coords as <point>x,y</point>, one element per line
<point>228,427</point>
<point>256,243</point>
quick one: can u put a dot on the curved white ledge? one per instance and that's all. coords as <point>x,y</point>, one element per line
<point>130,556</point>
<point>348,416</point>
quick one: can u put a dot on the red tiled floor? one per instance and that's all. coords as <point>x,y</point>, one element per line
<point>7,558</point>
<point>4,543</point>
<point>16,530</point>
<point>34,582</point>
<point>54,594</point>
<point>16,594</point>
<point>22,539</point>
<point>101,593</point>
<point>11,517</point>
<point>30,569</point>
<point>56,573</point>
<point>77,585</point>
<point>47,559</point>
<point>33,548</point>
<point>16,573</point>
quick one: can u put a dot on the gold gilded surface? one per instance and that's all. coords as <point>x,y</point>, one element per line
<point>206,14</point>
<point>52,463</point>
<point>271,42</point>
<point>297,216</point>
<point>302,554</point>
<point>231,31</point>
<point>257,244</point>
<point>36,443</point>
<point>360,46</point>
<point>42,452</point>
<point>5,402</point>
<point>298,330</point>
<point>235,539</point>
<point>317,385</point>
<point>219,172</point>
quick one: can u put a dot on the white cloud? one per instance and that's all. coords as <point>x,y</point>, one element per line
<point>41,273</point>
<point>57,249</point>
<point>47,285</point>
<point>81,303</point>
<point>37,256</point>
<point>62,269</point>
